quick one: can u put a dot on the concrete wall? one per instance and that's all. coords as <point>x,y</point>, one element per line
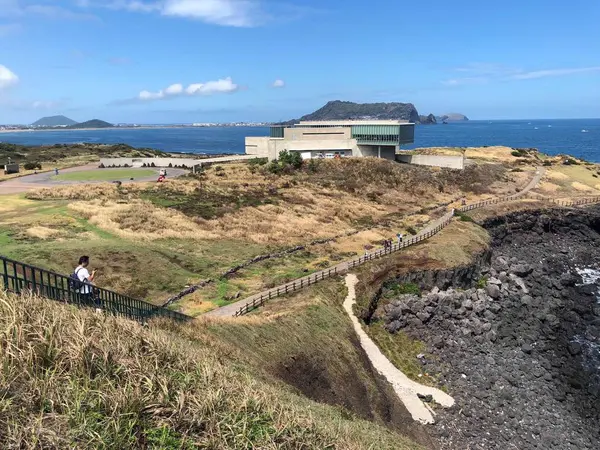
<point>452,162</point>
<point>317,134</point>
<point>373,151</point>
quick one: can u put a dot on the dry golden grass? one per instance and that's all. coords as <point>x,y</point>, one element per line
<point>581,187</point>
<point>76,379</point>
<point>40,232</point>
<point>494,153</point>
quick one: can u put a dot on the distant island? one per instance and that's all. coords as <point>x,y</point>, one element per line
<point>343,110</point>
<point>54,121</point>
<point>452,117</point>
<point>94,123</point>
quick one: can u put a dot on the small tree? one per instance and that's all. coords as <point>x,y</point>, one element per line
<point>293,159</point>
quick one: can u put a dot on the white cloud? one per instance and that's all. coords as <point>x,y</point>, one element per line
<point>221,86</point>
<point>480,73</point>
<point>554,73</point>
<point>7,77</point>
<point>174,89</point>
<point>233,13</point>
<point>278,83</point>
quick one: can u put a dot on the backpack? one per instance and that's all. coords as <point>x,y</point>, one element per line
<point>74,281</point>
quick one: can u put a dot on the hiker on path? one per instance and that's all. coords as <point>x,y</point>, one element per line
<point>399,236</point>
<point>55,171</point>
<point>86,279</point>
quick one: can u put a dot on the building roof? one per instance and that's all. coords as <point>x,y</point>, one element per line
<point>352,122</point>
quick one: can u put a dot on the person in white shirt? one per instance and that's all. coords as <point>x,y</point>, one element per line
<point>86,279</point>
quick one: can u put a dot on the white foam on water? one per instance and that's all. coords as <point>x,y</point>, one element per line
<point>590,276</point>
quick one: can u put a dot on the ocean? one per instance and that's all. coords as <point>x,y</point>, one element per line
<point>577,137</point>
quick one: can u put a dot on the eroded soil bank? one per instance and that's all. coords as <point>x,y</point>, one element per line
<point>519,350</point>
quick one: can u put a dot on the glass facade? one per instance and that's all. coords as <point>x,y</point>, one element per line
<point>365,134</point>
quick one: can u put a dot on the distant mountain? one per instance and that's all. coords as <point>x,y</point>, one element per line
<point>54,121</point>
<point>427,120</point>
<point>95,123</point>
<point>452,117</point>
<point>340,110</point>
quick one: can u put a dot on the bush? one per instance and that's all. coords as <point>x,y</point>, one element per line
<point>32,166</point>
<point>404,288</point>
<point>152,164</point>
<point>274,167</point>
<point>462,216</point>
<point>219,169</point>
<point>570,162</point>
<point>520,153</point>
<point>144,165</point>
<point>313,165</point>
<point>125,165</point>
<point>101,166</point>
<point>518,169</point>
<point>293,159</point>
<point>170,165</point>
<point>482,282</point>
<point>547,163</point>
<point>411,230</point>
<point>258,161</point>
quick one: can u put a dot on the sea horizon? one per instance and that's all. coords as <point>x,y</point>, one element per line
<point>576,137</point>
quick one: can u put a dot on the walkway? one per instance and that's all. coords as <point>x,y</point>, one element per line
<point>406,389</point>
<point>44,180</point>
<point>248,304</point>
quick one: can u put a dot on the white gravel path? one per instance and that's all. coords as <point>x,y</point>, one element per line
<point>405,388</point>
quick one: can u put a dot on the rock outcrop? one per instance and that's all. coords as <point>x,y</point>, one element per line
<point>519,350</point>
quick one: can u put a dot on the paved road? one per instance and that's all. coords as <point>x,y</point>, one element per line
<point>44,180</point>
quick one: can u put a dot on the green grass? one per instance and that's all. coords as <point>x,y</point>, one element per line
<point>401,350</point>
<point>105,175</point>
<point>77,379</point>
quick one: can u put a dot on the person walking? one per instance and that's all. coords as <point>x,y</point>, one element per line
<point>85,289</point>
<point>55,171</point>
<point>399,236</point>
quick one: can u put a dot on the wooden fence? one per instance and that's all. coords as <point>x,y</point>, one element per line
<point>433,229</point>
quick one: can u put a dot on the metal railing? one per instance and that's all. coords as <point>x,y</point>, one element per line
<point>19,278</point>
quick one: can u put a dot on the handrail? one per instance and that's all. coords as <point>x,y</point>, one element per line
<point>20,277</point>
<point>259,300</point>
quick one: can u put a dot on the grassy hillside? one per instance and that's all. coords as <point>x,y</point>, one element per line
<point>198,227</point>
<point>76,379</point>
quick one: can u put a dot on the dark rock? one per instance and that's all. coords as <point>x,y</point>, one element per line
<point>574,348</point>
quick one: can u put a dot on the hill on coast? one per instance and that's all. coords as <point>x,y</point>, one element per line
<point>54,121</point>
<point>452,117</point>
<point>94,123</point>
<point>342,110</point>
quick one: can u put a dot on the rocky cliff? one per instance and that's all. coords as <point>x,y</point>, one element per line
<point>520,349</point>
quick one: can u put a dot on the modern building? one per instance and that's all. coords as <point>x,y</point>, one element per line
<point>334,138</point>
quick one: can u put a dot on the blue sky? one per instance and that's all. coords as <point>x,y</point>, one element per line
<point>167,61</point>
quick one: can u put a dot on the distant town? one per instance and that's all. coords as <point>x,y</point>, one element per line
<point>20,127</point>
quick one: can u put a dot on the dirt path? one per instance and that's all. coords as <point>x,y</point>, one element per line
<point>44,180</point>
<point>405,388</point>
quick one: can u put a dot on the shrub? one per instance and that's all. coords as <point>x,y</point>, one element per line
<point>404,288</point>
<point>570,162</point>
<point>125,165</point>
<point>258,161</point>
<point>462,216</point>
<point>482,282</point>
<point>313,165</point>
<point>101,166</point>
<point>152,164</point>
<point>517,169</point>
<point>218,169</point>
<point>520,153</point>
<point>32,166</point>
<point>411,230</point>
<point>274,167</point>
<point>170,165</point>
<point>293,159</point>
<point>547,163</point>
